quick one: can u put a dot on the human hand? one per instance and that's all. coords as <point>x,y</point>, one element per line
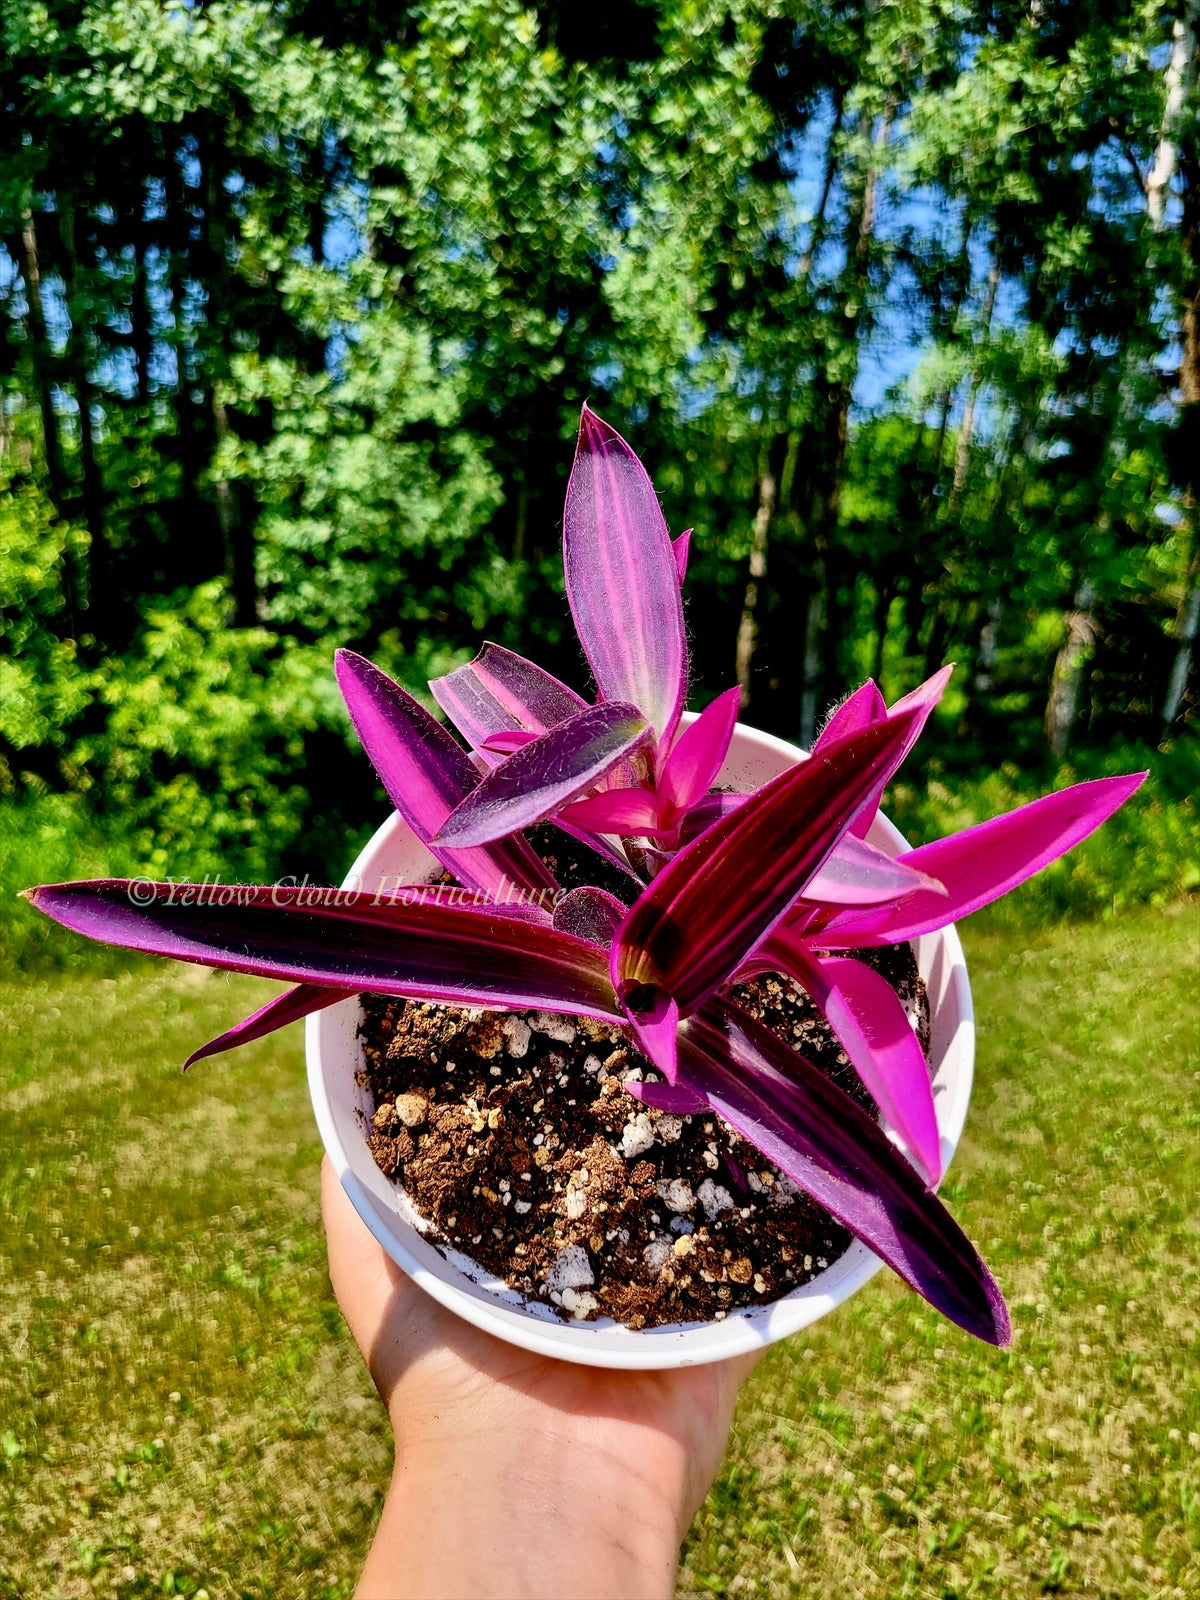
<point>516,1474</point>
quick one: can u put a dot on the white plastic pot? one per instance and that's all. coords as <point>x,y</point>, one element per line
<point>343,1111</point>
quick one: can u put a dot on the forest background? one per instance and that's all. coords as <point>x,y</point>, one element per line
<point>898,302</point>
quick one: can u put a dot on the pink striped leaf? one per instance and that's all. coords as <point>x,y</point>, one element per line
<point>918,706</point>
<point>306,997</point>
<point>677,1098</point>
<point>837,1154</point>
<point>653,1015</point>
<point>701,816</point>
<point>277,1013</point>
<point>873,1028</point>
<point>857,874</point>
<point>698,754</point>
<point>859,710</point>
<point>631,811</point>
<point>427,774</point>
<point>681,549</point>
<point>979,864</point>
<point>540,777</point>
<point>503,744</point>
<point>623,578</point>
<point>425,950</point>
<point>501,692</point>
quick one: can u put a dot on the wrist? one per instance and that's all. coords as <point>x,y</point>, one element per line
<point>536,1503</point>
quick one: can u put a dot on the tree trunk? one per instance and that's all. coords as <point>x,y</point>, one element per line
<point>42,361</point>
<point>1181,86</point>
<point>1070,671</point>
<point>812,669</point>
<point>521,524</point>
<point>928,500</point>
<point>143,336</point>
<point>778,696</point>
<point>884,595</point>
<point>817,236</point>
<point>1187,626</point>
<point>747,636</point>
<point>236,539</point>
<point>77,365</point>
<point>237,536</point>
<point>985,654</point>
<point>962,452</point>
<point>1179,66</point>
<point>860,231</point>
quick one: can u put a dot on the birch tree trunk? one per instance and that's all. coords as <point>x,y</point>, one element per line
<point>834,426</point>
<point>1181,99</point>
<point>985,654</point>
<point>1070,671</point>
<point>1179,69</point>
<point>1187,627</point>
<point>770,495</point>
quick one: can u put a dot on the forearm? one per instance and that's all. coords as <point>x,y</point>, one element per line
<point>529,1513</point>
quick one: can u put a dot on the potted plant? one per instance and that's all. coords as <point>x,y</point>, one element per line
<point>717,878</point>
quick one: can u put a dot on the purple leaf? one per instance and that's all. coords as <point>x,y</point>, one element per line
<point>631,811</point>
<point>698,754</point>
<point>277,1013</point>
<point>857,874</point>
<point>425,950</point>
<point>865,1013</point>
<point>981,863</point>
<point>500,692</point>
<point>427,774</point>
<point>708,908</point>
<point>503,744</point>
<point>676,1098</point>
<point>681,549</point>
<point>835,1152</point>
<point>917,706</point>
<point>623,579</point>
<point>591,914</point>
<point>859,710</point>
<point>540,777</point>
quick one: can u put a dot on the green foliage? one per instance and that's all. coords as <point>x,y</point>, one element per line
<point>49,838</point>
<point>205,725</point>
<point>300,304</point>
<point>203,731</point>
<point>372,502</point>
<point>43,684</point>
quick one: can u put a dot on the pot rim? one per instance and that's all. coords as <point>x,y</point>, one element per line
<point>331,1036</point>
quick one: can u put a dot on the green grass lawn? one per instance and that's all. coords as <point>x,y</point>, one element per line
<point>181,1412</point>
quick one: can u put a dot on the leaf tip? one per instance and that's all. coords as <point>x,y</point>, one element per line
<point>1002,1321</point>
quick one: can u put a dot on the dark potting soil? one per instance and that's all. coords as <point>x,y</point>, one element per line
<point>513,1137</point>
